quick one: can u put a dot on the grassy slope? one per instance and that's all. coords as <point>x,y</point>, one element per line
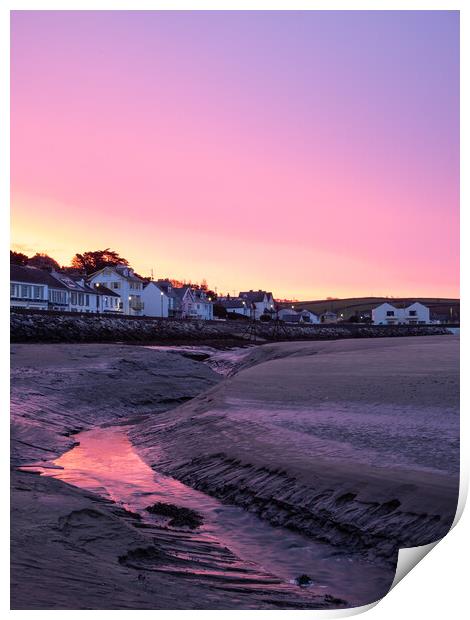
<point>350,306</point>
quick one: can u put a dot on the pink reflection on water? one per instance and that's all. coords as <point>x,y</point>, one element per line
<point>105,459</point>
<point>106,463</point>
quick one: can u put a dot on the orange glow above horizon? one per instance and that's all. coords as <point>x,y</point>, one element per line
<point>192,154</point>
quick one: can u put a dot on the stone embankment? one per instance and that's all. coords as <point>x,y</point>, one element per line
<point>55,327</point>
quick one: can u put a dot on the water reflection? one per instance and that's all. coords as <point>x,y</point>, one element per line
<point>106,463</point>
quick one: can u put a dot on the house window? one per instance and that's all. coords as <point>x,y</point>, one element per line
<point>116,284</point>
<point>57,297</point>
<point>87,300</point>
<point>413,313</point>
<point>74,299</point>
<point>15,290</point>
<point>25,291</point>
<point>390,313</point>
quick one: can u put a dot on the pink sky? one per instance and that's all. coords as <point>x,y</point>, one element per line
<point>309,154</point>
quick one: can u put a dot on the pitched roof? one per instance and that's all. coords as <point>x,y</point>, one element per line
<point>304,310</point>
<point>101,289</point>
<point>398,304</point>
<point>201,296</point>
<point>164,287</point>
<point>119,269</point>
<point>232,303</point>
<point>33,275</point>
<point>180,291</point>
<point>74,283</point>
<point>254,296</point>
<point>127,272</point>
<point>167,287</point>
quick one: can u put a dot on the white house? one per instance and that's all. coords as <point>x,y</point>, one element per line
<point>82,297</point>
<point>36,289</point>
<point>183,300</point>
<point>189,303</point>
<point>234,305</point>
<point>287,315</point>
<point>291,315</point>
<point>156,300</point>
<point>203,305</point>
<point>309,317</point>
<point>328,317</point>
<point>166,286</point>
<point>260,302</point>
<point>121,280</point>
<point>400,314</point>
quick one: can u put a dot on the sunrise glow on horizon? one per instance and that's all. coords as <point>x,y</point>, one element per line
<point>313,154</point>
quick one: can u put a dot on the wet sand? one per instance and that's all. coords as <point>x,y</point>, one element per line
<point>343,442</point>
<point>77,547</point>
<point>350,442</point>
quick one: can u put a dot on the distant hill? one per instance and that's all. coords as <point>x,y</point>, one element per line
<point>443,308</point>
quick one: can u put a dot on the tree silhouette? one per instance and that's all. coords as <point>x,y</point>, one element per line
<point>89,262</point>
<point>18,258</point>
<point>43,261</point>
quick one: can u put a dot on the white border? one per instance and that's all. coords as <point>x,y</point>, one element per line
<point>439,586</point>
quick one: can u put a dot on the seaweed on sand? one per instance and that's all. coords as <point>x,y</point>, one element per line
<point>179,515</point>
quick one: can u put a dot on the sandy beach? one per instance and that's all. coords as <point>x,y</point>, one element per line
<point>309,457</point>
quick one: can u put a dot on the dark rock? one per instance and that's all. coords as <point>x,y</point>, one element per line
<point>179,515</point>
<point>304,581</point>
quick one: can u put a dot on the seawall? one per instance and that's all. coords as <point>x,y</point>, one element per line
<point>65,327</point>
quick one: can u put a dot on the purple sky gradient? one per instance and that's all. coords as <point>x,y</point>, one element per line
<point>311,153</point>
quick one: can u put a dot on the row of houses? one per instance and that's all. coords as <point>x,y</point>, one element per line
<point>382,314</point>
<point>114,289</point>
<point>251,304</point>
<point>259,304</point>
<point>42,290</point>
<point>117,289</point>
<point>157,298</point>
